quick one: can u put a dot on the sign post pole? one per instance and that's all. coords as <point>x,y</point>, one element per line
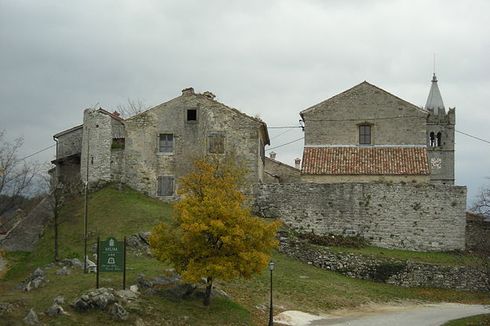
<point>124,266</point>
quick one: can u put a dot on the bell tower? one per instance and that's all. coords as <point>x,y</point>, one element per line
<point>440,137</point>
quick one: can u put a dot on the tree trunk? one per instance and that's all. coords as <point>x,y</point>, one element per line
<point>207,294</point>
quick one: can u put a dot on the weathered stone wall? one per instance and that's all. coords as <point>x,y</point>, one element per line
<point>388,270</point>
<point>415,217</point>
<point>441,158</point>
<point>97,140</point>
<point>143,161</point>
<point>336,121</point>
<point>365,178</point>
<point>69,143</point>
<point>278,172</point>
<point>477,233</point>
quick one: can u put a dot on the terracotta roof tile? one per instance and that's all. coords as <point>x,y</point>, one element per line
<point>365,161</point>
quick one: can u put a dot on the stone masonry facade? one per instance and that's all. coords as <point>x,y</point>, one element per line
<point>420,217</point>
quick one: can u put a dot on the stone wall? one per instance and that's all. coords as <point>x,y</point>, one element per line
<point>97,142</point>
<point>393,120</point>
<point>409,216</point>
<point>442,157</point>
<point>477,233</point>
<point>144,163</point>
<point>278,172</point>
<point>365,178</point>
<point>388,270</point>
<point>69,143</point>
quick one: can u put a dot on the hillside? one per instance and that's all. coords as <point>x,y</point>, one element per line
<point>119,213</point>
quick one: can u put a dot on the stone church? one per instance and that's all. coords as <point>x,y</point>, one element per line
<point>366,134</point>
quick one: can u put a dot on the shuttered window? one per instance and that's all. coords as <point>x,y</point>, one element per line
<point>166,143</point>
<point>365,135</point>
<point>216,143</point>
<point>165,186</point>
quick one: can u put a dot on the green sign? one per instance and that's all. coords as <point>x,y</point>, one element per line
<point>111,255</point>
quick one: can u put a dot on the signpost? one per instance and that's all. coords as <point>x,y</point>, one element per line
<point>111,257</point>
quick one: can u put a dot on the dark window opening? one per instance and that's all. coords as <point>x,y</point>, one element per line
<point>192,115</point>
<point>118,143</point>
<point>216,143</point>
<point>439,139</point>
<point>365,135</point>
<point>432,139</point>
<point>165,186</point>
<point>262,150</point>
<point>92,160</point>
<point>166,143</point>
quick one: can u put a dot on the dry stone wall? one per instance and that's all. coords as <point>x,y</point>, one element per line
<point>421,217</point>
<point>388,270</point>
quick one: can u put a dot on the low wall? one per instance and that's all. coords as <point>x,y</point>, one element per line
<point>409,216</point>
<point>391,271</point>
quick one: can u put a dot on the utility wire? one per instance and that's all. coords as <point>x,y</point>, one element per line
<point>40,151</point>
<point>282,133</point>
<point>478,138</point>
<point>293,141</point>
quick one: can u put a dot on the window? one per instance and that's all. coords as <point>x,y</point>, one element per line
<point>192,115</point>
<point>165,186</point>
<point>216,143</point>
<point>166,143</point>
<point>365,135</point>
<point>439,139</point>
<point>432,139</point>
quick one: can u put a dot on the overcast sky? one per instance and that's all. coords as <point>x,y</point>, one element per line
<point>271,58</point>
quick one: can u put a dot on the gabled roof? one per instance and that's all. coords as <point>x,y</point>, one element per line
<point>61,133</point>
<point>434,100</point>
<point>190,92</point>
<point>337,97</point>
<point>365,161</point>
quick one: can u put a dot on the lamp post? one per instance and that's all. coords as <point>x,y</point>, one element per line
<point>271,322</point>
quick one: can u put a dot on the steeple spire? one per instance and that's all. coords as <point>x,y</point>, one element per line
<point>434,101</point>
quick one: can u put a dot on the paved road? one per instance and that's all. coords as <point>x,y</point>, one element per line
<point>415,315</point>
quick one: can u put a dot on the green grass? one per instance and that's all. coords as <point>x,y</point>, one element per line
<point>479,320</point>
<point>442,258</point>
<point>118,213</point>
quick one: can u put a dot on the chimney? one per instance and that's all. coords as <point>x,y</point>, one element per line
<point>297,163</point>
<point>209,95</point>
<point>272,155</point>
<point>188,91</point>
<point>116,114</point>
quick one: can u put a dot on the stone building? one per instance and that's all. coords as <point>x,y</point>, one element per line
<point>151,150</point>
<point>366,134</point>
<point>375,166</point>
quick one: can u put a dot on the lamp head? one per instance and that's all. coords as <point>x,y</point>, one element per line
<point>271,265</point>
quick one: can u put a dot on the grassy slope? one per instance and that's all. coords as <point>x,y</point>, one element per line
<point>112,212</point>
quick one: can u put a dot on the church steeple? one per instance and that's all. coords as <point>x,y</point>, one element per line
<point>434,101</point>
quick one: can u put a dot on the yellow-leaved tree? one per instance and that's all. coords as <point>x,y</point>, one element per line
<point>213,234</point>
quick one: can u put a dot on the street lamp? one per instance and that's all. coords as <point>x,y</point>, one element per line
<point>271,322</point>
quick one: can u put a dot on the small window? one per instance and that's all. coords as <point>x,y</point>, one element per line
<point>216,143</point>
<point>432,139</point>
<point>165,186</point>
<point>166,143</point>
<point>192,115</point>
<point>439,139</point>
<point>365,135</point>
